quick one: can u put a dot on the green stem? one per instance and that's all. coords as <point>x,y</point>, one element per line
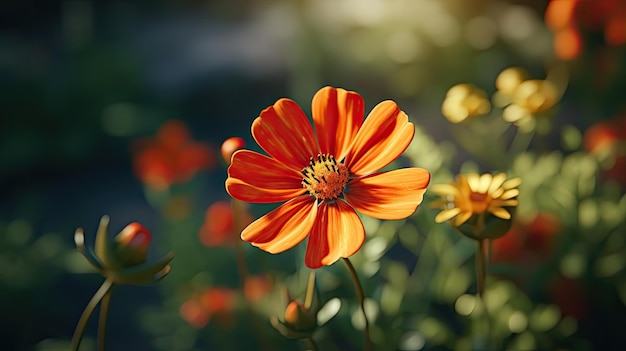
<point>84,318</point>
<point>102,320</point>
<point>242,270</point>
<point>310,291</point>
<point>314,346</point>
<point>359,291</point>
<point>482,256</point>
<point>482,259</point>
<point>521,142</point>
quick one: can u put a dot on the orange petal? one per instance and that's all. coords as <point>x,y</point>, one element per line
<point>385,135</point>
<point>337,114</point>
<point>284,132</point>
<point>338,232</point>
<point>257,178</point>
<point>284,227</point>
<point>389,195</point>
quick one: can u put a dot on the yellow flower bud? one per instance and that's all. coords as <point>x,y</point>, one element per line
<point>509,79</point>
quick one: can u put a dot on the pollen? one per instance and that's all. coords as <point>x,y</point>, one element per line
<point>324,177</point>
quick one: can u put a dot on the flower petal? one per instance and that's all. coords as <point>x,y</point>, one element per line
<point>509,194</point>
<point>447,215</point>
<point>284,132</point>
<point>496,182</point>
<point>338,115</point>
<point>445,189</point>
<point>338,232</point>
<point>253,177</point>
<point>388,195</point>
<point>284,227</point>
<point>462,218</point>
<point>483,183</point>
<point>512,183</point>
<point>385,134</point>
<point>500,212</point>
<point>504,203</point>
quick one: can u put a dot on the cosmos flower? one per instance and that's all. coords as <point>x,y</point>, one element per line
<point>215,302</point>
<point>606,140</point>
<point>472,194</point>
<point>219,224</point>
<point>324,176</point>
<point>171,157</point>
<point>570,20</point>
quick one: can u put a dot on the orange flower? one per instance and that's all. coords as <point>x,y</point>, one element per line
<point>257,287</point>
<point>324,179</point>
<point>218,302</point>
<point>218,227</point>
<point>171,157</point>
<point>567,17</point>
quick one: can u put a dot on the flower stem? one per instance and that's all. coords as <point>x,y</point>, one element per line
<point>102,320</point>
<point>482,260</point>
<point>242,269</point>
<point>482,256</point>
<point>84,318</point>
<point>310,291</point>
<point>359,291</point>
<point>314,346</point>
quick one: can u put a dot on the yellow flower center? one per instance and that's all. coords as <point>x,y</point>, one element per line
<point>324,177</point>
<point>480,201</point>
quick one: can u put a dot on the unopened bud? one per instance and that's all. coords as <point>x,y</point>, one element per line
<point>298,317</point>
<point>229,146</point>
<point>132,245</point>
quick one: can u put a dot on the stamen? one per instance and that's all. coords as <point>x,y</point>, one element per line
<point>333,175</point>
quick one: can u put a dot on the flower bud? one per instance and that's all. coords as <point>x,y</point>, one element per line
<point>299,322</point>
<point>509,79</point>
<point>123,259</point>
<point>132,245</point>
<point>299,317</point>
<point>229,147</point>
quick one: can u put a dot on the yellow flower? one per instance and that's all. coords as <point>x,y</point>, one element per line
<point>472,194</point>
<point>523,99</point>
<point>509,79</point>
<point>464,101</point>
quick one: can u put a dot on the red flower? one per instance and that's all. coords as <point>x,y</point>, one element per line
<point>171,157</point>
<point>607,140</point>
<point>323,178</point>
<point>218,227</point>
<point>527,243</point>
<point>256,287</point>
<point>567,17</point>
<point>216,302</point>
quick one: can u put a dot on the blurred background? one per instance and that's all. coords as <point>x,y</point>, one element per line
<point>93,92</point>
